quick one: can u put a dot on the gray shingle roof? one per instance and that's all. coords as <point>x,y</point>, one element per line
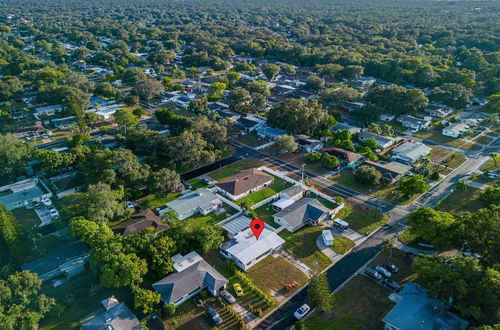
<point>200,198</point>
<point>302,211</point>
<point>176,285</point>
<point>119,317</point>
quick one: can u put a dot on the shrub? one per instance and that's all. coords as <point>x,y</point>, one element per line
<point>435,176</point>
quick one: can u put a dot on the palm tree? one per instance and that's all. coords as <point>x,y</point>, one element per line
<point>462,185</point>
<point>494,156</point>
<point>374,128</point>
<point>390,244</point>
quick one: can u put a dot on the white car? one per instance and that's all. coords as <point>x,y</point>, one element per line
<point>46,201</point>
<point>383,271</point>
<point>130,205</point>
<point>53,212</point>
<point>302,311</point>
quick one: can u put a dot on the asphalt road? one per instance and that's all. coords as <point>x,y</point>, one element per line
<point>339,273</point>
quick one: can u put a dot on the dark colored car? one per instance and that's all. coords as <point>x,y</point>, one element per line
<point>390,266</point>
<point>373,273</point>
<point>392,284</point>
<point>187,185</point>
<point>213,315</point>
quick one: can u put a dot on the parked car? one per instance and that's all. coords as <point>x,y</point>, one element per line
<point>384,272</point>
<point>237,288</point>
<point>392,284</point>
<point>390,266</point>
<point>302,311</point>
<point>206,181</point>
<point>410,257</point>
<point>373,273</point>
<point>53,212</point>
<point>213,315</point>
<point>187,186</point>
<point>228,297</point>
<point>130,205</point>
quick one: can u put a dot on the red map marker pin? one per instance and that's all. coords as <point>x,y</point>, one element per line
<point>257,227</point>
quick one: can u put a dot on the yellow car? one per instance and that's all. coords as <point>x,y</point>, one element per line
<point>237,289</point>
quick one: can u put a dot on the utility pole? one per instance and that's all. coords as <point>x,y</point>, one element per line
<point>303,172</point>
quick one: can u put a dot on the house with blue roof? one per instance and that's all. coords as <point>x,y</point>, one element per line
<point>416,311</point>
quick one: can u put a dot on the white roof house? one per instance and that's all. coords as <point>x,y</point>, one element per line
<point>202,201</point>
<point>455,130</point>
<point>283,203</point>
<point>245,250</point>
<point>410,152</point>
<point>383,142</point>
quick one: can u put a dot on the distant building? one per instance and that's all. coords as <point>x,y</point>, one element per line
<point>66,184</point>
<point>350,128</point>
<point>200,201</point>
<point>192,275</point>
<point>116,317</point>
<point>413,123</point>
<point>140,221</point>
<point>438,110</point>
<point>383,142</point>
<point>49,110</point>
<point>391,172</point>
<point>243,184</point>
<point>455,130</point>
<point>67,261</point>
<point>410,152</point>
<point>246,251</point>
<point>347,158</point>
<point>250,123</point>
<point>386,117</point>
<point>64,123</point>
<point>307,211</point>
<point>351,106</point>
<point>308,144</point>
<point>415,310</point>
<point>269,132</point>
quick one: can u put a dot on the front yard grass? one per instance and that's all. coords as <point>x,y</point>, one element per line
<point>447,157</point>
<point>490,165</point>
<point>188,316</point>
<point>298,161</point>
<point>362,219</point>
<point>302,245</point>
<point>235,168</point>
<point>211,218</point>
<point>265,213</point>
<point>342,244</point>
<point>251,140</point>
<point>283,273</point>
<point>152,202</point>
<point>197,184</point>
<point>462,200</point>
<point>360,304</point>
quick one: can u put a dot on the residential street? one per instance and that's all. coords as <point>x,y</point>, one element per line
<point>341,271</point>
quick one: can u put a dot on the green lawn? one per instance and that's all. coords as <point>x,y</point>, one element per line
<point>460,201</point>
<point>152,201</point>
<point>435,135</point>
<point>283,273</point>
<point>490,165</point>
<point>447,157</point>
<point>265,213</point>
<point>197,184</point>
<point>342,244</point>
<point>362,219</point>
<point>483,139</point>
<point>212,218</point>
<point>252,140</point>
<point>258,196</point>
<point>235,168</point>
<point>388,193</point>
<point>360,304</point>
<point>302,245</point>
